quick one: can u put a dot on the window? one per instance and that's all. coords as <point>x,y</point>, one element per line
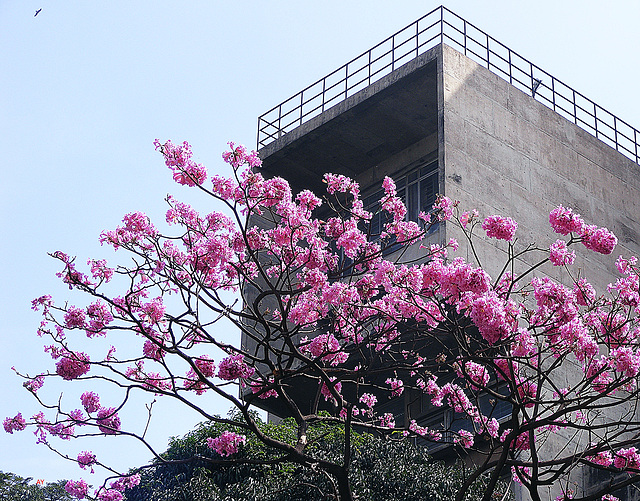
<point>417,188</point>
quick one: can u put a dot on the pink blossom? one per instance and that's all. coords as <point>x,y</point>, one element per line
<point>585,293</point>
<point>625,360</point>
<point>337,183</point>
<point>74,318</point>
<point>368,399</point>
<point>73,366</point>
<point>16,423</point>
<point>110,495</point>
<point>127,482</point>
<point>599,239</point>
<point>490,316</point>
<point>502,228</point>
<point>444,208</point>
<point>326,392</point>
<point>464,438</point>
<point>152,350</point>
<point>308,200</point>
<point>34,384</point>
<point>602,458</point>
<point>178,159</point>
<point>108,421</point>
<point>564,221</point>
<point>387,420</point>
<point>77,416</point>
<point>227,443</point>
<point>627,459</point>
<point>99,318</point>
<point>99,269</point>
<point>520,471</point>
<point>77,488</point>
<point>397,386</point>
<point>90,401</point>
<point>476,372</point>
<point>86,459</point>
<point>259,387</point>
<point>327,347</point>
<point>44,301</point>
<point>234,367</point>
<point>560,255</point>
<point>239,155</point>
<point>205,365</point>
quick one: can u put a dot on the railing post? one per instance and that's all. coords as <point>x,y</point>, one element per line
<point>417,44</point>
<point>393,52</point>
<point>553,92</point>
<point>575,109</point>
<point>324,90</point>
<point>346,77</point>
<point>258,136</point>
<point>488,64</point>
<point>441,24</point>
<point>595,119</point>
<point>615,131</point>
<point>301,104</point>
<point>464,35</point>
<point>510,67</point>
<point>635,142</point>
<point>280,120</point>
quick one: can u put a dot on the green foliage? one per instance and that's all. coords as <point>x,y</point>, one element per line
<point>16,488</point>
<point>382,469</point>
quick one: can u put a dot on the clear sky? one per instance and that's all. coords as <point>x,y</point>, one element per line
<point>85,87</point>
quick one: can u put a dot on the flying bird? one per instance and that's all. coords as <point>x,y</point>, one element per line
<point>37,12</point>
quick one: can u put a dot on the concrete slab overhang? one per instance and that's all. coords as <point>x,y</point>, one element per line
<point>358,133</point>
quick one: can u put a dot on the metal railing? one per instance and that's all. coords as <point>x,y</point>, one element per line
<point>443,26</point>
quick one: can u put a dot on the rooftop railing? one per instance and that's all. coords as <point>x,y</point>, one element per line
<point>443,26</point>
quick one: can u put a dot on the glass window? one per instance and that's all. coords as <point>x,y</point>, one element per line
<point>417,189</point>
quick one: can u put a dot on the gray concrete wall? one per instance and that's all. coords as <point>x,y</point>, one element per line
<point>505,153</point>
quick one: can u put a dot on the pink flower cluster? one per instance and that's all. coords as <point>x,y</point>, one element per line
<point>565,221</point>
<point>464,438</point>
<point>368,399</point>
<point>627,459</point>
<point>34,384</point>
<point>327,347</point>
<point>238,155</point>
<point>90,401</point>
<point>397,386</point>
<point>73,366</point>
<point>560,255</point>
<point>77,489</point>
<point>86,459</point>
<point>502,228</point>
<point>478,374</point>
<point>227,443</point>
<point>387,420</point>
<point>234,367</point>
<point>108,421</point>
<point>326,392</point>
<point>178,159</point>
<point>599,239</point>
<point>16,423</point>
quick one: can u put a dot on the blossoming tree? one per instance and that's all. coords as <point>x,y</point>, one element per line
<point>326,305</point>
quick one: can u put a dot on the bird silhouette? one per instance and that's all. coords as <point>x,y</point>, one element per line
<point>37,12</point>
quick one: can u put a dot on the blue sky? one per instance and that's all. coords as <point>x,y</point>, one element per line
<point>85,87</point>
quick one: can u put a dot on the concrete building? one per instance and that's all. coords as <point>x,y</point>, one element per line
<point>444,108</point>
